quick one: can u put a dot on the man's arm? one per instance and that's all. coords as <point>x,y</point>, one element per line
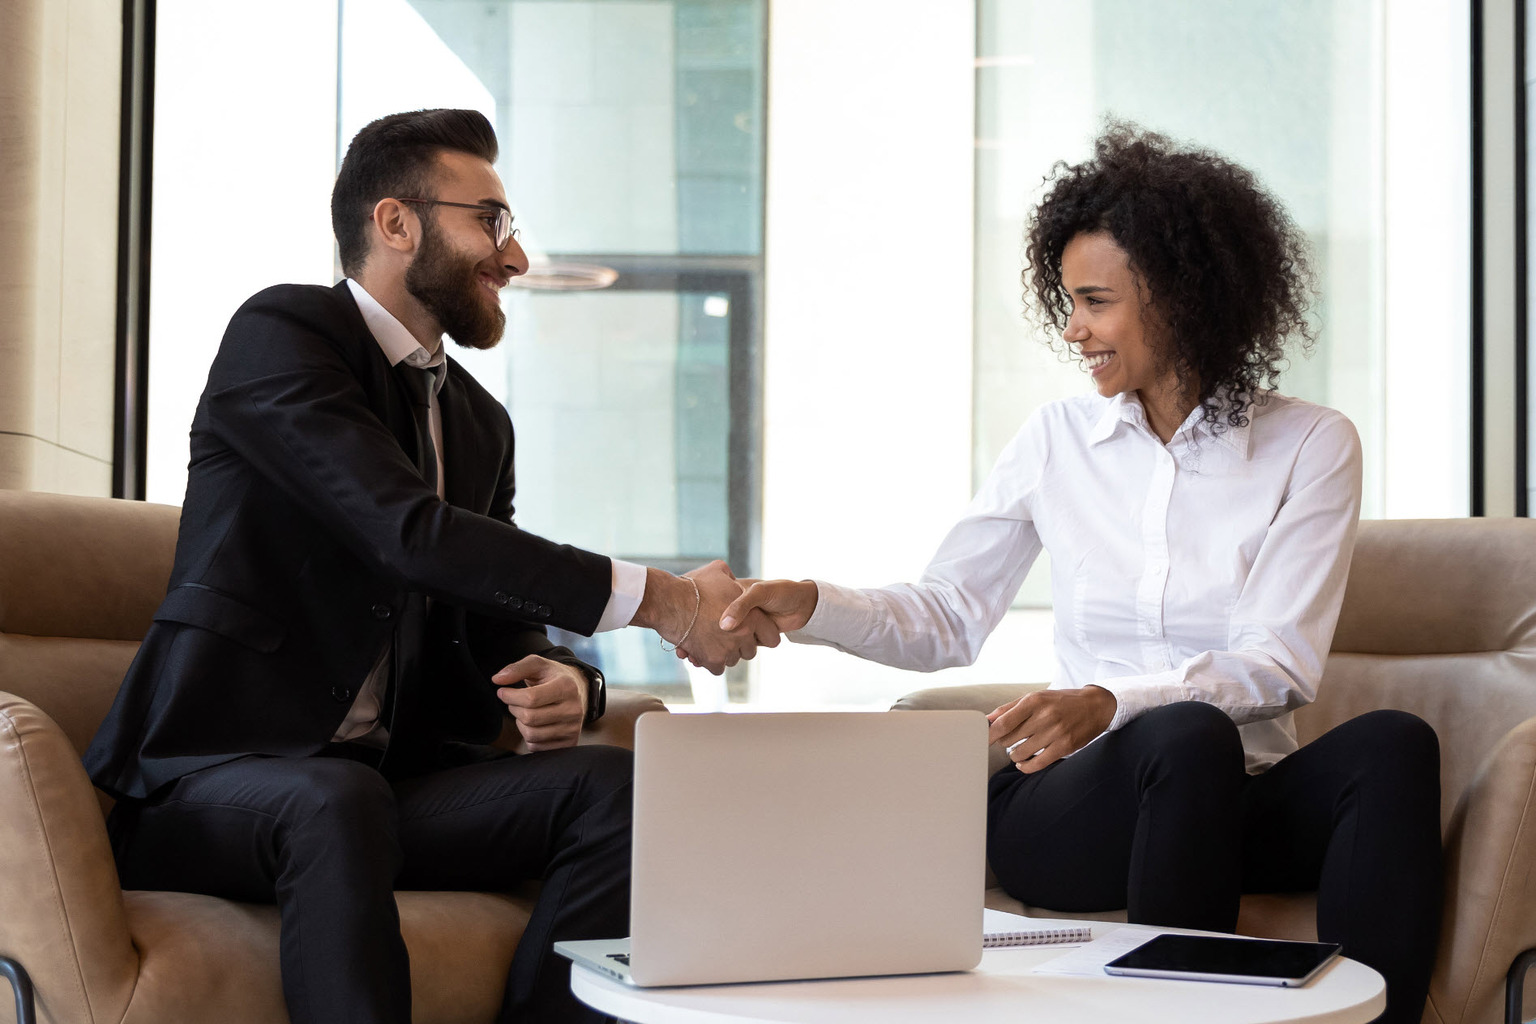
<point>283,396</point>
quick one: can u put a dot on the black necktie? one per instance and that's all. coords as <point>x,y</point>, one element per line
<point>419,383</point>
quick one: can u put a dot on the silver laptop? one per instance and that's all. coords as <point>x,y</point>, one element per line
<point>788,846</point>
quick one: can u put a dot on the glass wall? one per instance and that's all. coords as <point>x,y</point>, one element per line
<point>1309,95</point>
<point>631,149</point>
<point>812,345</point>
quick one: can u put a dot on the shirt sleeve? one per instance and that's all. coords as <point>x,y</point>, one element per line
<point>1281,626</point>
<point>628,591</point>
<point>943,619</point>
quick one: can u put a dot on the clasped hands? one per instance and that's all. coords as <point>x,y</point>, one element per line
<point>729,619</point>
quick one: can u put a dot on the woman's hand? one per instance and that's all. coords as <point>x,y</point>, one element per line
<point>1041,728</point>
<point>788,603</point>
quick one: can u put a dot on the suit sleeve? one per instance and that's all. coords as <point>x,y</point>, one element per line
<point>284,398</point>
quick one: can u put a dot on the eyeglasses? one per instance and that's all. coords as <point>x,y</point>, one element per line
<point>498,219</point>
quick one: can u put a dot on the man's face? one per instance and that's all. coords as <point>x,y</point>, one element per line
<point>457,274</point>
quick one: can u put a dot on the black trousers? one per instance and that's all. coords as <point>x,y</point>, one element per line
<point>329,839</point>
<point>1160,818</point>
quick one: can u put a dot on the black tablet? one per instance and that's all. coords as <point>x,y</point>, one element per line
<point>1224,958</point>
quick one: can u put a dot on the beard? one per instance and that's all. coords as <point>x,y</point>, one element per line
<point>446,284</point>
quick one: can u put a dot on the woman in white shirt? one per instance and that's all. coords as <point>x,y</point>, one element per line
<point>1200,529</point>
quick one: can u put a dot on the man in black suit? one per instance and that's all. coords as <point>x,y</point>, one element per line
<point>352,614</point>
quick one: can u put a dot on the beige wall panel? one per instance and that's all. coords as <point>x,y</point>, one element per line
<point>60,72</point>
<point>88,321</point>
<point>16,455</point>
<point>20,42</point>
<point>28,464</point>
<point>48,208</point>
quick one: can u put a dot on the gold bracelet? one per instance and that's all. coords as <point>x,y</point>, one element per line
<point>698,599</point>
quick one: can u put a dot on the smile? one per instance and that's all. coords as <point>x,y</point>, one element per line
<point>1097,360</point>
<point>491,285</point>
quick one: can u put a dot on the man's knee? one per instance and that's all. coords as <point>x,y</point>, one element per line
<point>340,796</point>
<point>606,771</point>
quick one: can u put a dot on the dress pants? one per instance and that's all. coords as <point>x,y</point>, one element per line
<point>329,839</point>
<point>1160,818</point>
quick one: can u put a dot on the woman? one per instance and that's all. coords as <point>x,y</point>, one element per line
<point>1200,528</point>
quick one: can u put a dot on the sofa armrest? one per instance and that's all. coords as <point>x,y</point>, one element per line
<point>1490,881</point>
<point>616,727</point>
<point>63,918</point>
<point>982,697</point>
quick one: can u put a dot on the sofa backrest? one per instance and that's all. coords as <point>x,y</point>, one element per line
<point>1439,619</point>
<point>80,579</point>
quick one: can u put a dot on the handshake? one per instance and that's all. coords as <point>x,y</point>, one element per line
<point>727,619</point>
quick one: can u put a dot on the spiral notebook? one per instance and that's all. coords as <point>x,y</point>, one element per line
<point>1001,930</point>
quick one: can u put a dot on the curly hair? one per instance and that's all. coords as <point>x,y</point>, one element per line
<point>1224,268</point>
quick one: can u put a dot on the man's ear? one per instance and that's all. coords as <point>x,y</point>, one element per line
<point>395,225</point>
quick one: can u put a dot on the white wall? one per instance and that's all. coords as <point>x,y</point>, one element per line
<point>242,188</point>
<point>1426,390</point>
<point>868,340</point>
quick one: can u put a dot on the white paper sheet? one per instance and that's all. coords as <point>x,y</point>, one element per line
<point>1088,960</point>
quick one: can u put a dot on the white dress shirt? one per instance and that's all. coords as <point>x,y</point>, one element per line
<point>400,345</point>
<point>1211,568</point>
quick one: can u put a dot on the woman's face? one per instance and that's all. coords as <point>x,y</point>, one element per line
<point>1112,325</point>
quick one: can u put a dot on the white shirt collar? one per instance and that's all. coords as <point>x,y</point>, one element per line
<point>397,342</point>
<point>1127,408</point>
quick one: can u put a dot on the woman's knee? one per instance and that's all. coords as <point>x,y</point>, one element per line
<point>1190,734</point>
<point>1396,748</point>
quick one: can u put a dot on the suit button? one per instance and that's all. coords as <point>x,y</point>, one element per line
<point>382,611</point>
<point>501,598</point>
<point>544,611</point>
<point>516,604</point>
<point>341,693</point>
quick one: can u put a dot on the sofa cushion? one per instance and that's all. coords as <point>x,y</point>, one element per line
<point>210,959</point>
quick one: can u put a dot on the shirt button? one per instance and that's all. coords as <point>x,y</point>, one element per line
<point>341,693</point>
<point>382,611</point>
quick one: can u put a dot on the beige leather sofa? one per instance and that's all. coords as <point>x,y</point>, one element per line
<point>1439,619</point>
<point>79,581</point>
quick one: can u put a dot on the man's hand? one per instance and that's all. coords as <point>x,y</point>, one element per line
<point>672,609</point>
<point>1041,728</point>
<point>712,646</point>
<point>548,699</point>
<point>788,603</point>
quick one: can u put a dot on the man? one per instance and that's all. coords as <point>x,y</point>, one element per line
<point>304,722</point>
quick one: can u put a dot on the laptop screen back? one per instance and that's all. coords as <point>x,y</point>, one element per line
<point>779,846</point>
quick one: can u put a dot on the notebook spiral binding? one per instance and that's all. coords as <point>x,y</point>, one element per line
<point>1036,937</point>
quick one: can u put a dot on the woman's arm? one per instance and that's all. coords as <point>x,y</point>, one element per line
<point>942,619</point>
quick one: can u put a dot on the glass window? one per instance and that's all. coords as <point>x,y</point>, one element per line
<point>813,347</point>
<point>1320,99</point>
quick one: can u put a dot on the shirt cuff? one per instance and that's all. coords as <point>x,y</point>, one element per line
<point>628,589</point>
<point>842,616</point>
<point>1136,695</point>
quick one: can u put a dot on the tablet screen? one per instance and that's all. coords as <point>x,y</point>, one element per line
<point>1210,955</point>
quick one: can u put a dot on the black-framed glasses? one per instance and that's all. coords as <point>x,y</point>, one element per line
<point>500,224</point>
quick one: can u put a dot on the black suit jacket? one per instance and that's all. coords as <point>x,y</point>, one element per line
<point>309,541</point>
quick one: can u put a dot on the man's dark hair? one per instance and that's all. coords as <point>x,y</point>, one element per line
<point>1225,269</point>
<point>393,156</point>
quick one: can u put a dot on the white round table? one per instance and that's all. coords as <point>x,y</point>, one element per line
<point>1000,989</point>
